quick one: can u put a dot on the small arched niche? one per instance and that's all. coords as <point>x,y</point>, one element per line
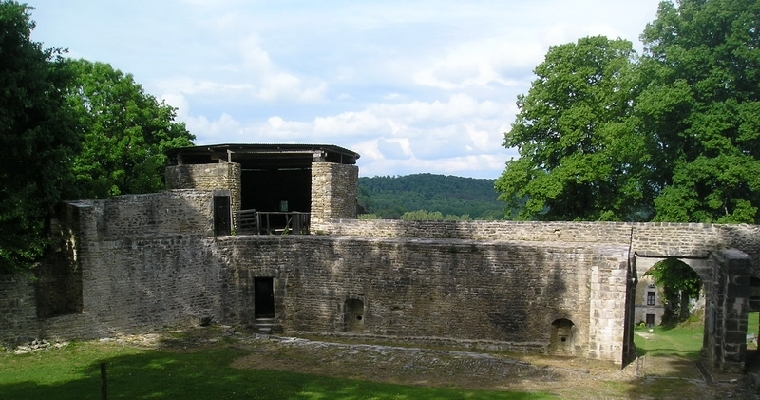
<point>562,337</point>
<point>353,315</point>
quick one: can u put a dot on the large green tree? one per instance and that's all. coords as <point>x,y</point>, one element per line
<point>580,154</point>
<point>673,135</point>
<point>701,104</point>
<point>38,138</point>
<point>126,132</point>
<point>680,284</point>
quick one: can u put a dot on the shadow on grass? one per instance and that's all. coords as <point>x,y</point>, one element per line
<point>691,355</point>
<point>159,374</point>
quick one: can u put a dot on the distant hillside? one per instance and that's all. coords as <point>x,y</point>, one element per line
<point>391,197</point>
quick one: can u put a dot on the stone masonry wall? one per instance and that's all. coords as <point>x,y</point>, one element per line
<point>218,176</point>
<point>647,239</point>
<point>147,263</point>
<point>18,314</point>
<point>726,320</point>
<point>500,295</point>
<point>333,191</point>
<point>150,261</point>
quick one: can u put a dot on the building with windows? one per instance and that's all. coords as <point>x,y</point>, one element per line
<point>649,306</point>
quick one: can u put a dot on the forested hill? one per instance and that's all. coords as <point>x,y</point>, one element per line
<point>393,196</point>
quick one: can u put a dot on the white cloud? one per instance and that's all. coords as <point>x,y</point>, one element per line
<point>426,86</point>
<point>440,136</point>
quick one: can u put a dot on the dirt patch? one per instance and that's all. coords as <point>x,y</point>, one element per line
<point>650,377</point>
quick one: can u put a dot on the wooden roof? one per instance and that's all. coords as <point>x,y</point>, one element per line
<point>262,155</point>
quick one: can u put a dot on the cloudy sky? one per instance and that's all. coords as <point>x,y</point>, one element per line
<point>412,86</point>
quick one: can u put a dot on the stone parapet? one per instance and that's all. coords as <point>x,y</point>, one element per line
<point>645,238</point>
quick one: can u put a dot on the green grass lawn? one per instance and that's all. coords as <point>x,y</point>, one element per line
<point>73,372</point>
<point>753,328</point>
<point>684,341</point>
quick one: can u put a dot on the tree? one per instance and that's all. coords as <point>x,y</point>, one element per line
<point>38,139</point>
<point>126,132</point>
<point>580,154</point>
<point>701,104</point>
<point>680,284</point>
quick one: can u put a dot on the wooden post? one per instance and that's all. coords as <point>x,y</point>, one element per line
<point>103,382</point>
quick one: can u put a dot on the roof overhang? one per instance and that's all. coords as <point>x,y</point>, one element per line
<point>284,155</point>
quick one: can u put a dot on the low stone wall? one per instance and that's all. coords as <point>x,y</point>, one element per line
<point>646,239</point>
<point>175,212</point>
<point>532,231</point>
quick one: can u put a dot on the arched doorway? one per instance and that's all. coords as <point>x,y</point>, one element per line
<point>668,292</point>
<point>660,309</point>
<point>563,334</point>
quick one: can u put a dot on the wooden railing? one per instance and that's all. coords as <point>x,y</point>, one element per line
<point>252,222</point>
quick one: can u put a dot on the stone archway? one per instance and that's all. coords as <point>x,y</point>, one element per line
<point>563,335</point>
<point>726,286</point>
<point>651,303</point>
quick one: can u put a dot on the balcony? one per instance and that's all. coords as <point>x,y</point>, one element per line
<point>252,222</point>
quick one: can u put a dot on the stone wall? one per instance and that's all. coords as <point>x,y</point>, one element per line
<point>727,311</point>
<point>147,262</point>
<point>18,314</point>
<point>150,261</point>
<point>174,212</point>
<point>498,295</point>
<point>219,176</point>
<point>568,232</point>
<point>646,239</point>
<point>333,191</point>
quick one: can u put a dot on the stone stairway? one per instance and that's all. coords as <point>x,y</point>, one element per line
<point>266,326</point>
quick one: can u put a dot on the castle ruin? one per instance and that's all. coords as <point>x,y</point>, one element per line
<point>266,236</point>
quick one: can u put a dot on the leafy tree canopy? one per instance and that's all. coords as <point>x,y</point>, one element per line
<point>425,196</point>
<point>701,103</point>
<point>126,132</point>
<point>38,138</point>
<point>671,136</point>
<point>579,152</point>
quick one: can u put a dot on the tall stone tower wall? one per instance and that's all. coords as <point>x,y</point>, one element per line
<point>333,191</point>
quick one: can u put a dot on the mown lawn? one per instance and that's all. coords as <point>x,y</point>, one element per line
<point>73,372</point>
<point>682,340</point>
<point>685,341</point>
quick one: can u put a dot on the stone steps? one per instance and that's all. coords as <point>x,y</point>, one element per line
<point>266,325</point>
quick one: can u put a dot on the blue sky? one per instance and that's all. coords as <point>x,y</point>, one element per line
<point>412,86</point>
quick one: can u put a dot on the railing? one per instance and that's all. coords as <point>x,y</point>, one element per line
<point>252,222</point>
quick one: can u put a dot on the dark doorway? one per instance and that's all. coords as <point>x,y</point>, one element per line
<point>650,320</point>
<point>353,315</point>
<point>264,297</point>
<point>222,223</point>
